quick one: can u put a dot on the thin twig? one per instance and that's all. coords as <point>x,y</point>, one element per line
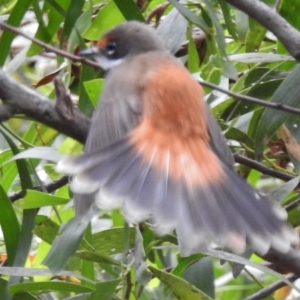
<point>96,65</point>
<point>250,99</point>
<point>48,47</point>
<point>267,291</point>
<point>50,187</point>
<point>292,205</point>
<point>128,286</point>
<point>262,168</point>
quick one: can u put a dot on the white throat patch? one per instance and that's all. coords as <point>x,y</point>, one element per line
<point>106,63</point>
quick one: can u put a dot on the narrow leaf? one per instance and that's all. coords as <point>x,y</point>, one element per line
<point>178,286</point>
<point>10,227</point>
<point>66,243</point>
<point>14,19</point>
<point>72,14</point>
<point>36,199</point>
<point>47,153</point>
<point>129,10</point>
<point>288,93</point>
<point>49,286</point>
<point>104,290</point>
<point>190,15</point>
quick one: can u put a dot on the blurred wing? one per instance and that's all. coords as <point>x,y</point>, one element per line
<point>167,166</point>
<point>201,199</point>
<point>117,113</point>
<point>118,110</point>
<point>218,142</point>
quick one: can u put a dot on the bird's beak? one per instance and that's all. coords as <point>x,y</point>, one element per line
<point>88,52</point>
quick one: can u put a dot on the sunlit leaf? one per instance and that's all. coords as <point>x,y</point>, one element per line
<point>35,199</point>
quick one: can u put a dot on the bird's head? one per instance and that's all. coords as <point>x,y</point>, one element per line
<point>125,40</point>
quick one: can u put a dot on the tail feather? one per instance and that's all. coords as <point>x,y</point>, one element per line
<point>90,177</point>
<point>218,207</point>
<point>166,204</point>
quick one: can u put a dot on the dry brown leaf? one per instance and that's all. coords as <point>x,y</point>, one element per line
<point>290,142</point>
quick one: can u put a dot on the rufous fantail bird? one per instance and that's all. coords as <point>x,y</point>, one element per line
<point>155,150</point>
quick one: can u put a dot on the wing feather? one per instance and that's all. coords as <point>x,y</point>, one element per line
<point>156,152</point>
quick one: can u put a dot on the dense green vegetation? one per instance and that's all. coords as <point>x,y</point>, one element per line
<point>220,45</point>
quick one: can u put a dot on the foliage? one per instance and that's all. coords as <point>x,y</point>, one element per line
<point>237,54</point>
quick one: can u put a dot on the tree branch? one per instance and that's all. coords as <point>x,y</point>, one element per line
<point>23,100</point>
<point>6,112</point>
<point>50,187</point>
<point>267,291</point>
<point>262,168</point>
<point>287,262</point>
<point>269,18</point>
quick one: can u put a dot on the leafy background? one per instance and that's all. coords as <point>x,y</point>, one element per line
<point>220,44</point>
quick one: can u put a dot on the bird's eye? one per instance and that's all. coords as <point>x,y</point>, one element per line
<point>111,48</point>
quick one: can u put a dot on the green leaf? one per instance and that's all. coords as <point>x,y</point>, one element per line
<point>288,93</point>
<point>36,199</point>
<point>25,239</point>
<point>31,272</point>
<point>93,89</point>
<point>227,67</point>
<point>9,170</point>
<point>191,16</point>
<point>287,9</point>
<point>85,104</point>
<point>294,216</point>
<point>25,296</point>
<point>45,229</point>
<point>178,286</point>
<point>129,10</point>
<point>23,168</point>
<point>73,13</point>
<point>235,134</point>
<point>255,36</point>
<point>88,268</point>
<point>14,19</point>
<point>228,19</point>
<point>111,241</point>
<point>242,25</point>
<point>96,257</point>
<point>104,290</point>
<point>184,262</point>
<point>193,58</point>
<point>55,12</point>
<point>49,286</point>
<point>108,17</point>
<point>66,243</point>
<point>107,242</point>
<point>10,227</point>
<point>194,275</point>
<point>82,24</point>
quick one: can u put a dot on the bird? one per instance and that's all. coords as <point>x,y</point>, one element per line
<point>155,150</point>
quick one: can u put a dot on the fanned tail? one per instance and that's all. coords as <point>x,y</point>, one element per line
<point>184,188</point>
